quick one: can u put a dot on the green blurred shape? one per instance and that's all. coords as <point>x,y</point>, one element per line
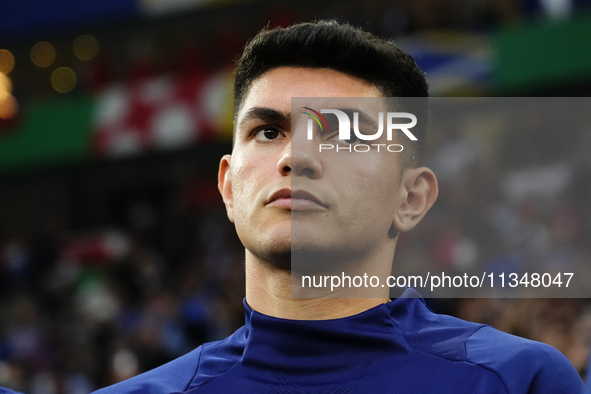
<point>544,54</point>
<point>48,133</point>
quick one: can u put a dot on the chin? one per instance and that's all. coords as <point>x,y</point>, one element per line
<point>280,258</point>
<point>274,249</point>
<point>315,261</point>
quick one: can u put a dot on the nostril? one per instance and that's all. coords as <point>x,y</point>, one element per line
<point>307,172</point>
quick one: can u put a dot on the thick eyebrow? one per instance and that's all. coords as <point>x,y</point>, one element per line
<point>363,117</point>
<point>266,114</point>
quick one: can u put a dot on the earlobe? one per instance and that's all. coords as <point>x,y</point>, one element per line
<point>225,185</point>
<point>420,190</point>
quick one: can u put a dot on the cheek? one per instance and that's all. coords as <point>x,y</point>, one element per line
<point>372,183</point>
<point>247,176</point>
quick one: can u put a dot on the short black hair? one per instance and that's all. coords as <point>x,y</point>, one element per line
<point>341,47</point>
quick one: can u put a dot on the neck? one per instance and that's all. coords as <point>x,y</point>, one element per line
<point>268,291</point>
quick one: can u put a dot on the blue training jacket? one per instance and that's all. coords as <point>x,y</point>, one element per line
<point>398,347</point>
<point>4,390</point>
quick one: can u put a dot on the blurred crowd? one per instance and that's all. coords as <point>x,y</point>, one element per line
<point>122,268</point>
<point>111,268</point>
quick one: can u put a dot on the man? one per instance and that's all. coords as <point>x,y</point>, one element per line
<point>337,345</point>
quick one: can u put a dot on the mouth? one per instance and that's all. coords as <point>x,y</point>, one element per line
<point>299,200</point>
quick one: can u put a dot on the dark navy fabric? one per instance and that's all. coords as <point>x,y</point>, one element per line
<point>4,390</point>
<point>588,374</point>
<point>399,347</point>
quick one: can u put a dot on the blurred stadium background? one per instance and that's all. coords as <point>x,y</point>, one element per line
<point>115,252</point>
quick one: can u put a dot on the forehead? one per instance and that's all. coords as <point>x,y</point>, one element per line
<point>276,87</point>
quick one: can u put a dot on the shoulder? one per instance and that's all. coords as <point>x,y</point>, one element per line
<point>525,366</point>
<point>4,390</point>
<point>173,376</point>
<point>191,370</point>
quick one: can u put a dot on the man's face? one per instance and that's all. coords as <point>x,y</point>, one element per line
<point>282,193</point>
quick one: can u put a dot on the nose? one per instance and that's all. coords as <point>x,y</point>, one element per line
<point>301,160</point>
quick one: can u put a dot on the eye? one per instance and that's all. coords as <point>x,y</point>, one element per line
<point>351,141</point>
<point>267,134</point>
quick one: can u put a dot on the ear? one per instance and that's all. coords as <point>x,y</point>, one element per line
<point>225,185</point>
<point>419,192</point>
